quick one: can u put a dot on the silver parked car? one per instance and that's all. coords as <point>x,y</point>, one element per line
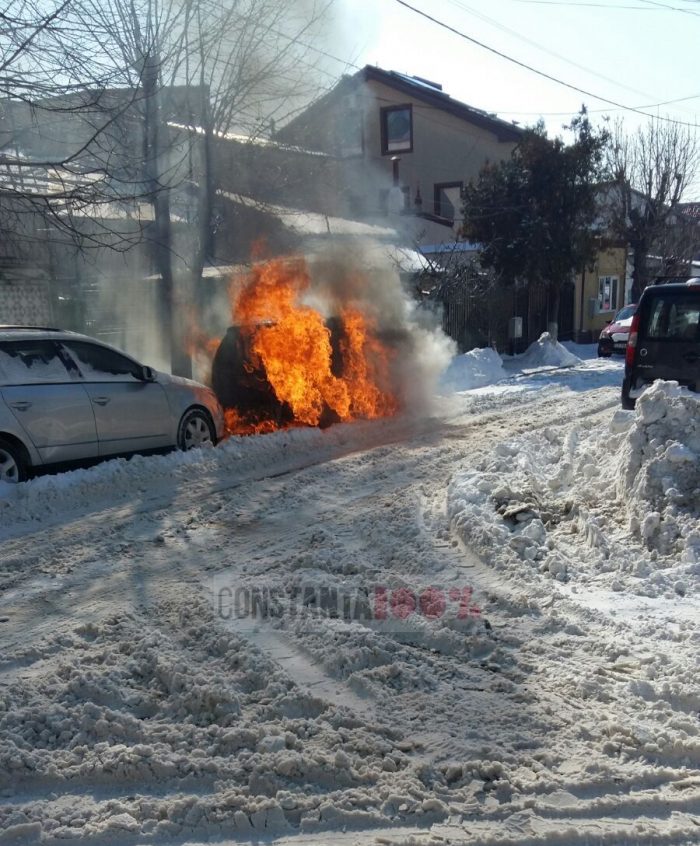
<point>66,397</point>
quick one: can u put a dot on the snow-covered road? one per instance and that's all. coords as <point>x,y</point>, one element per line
<point>508,707</point>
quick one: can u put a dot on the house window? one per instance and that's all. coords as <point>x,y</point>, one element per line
<point>397,129</point>
<point>447,199</point>
<point>607,293</point>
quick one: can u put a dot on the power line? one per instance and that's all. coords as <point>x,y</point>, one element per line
<point>543,74</point>
<point>669,8</point>
<point>538,46</point>
<point>651,7</point>
<point>593,111</point>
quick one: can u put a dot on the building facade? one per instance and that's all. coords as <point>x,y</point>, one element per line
<point>406,147</point>
<point>601,291</point>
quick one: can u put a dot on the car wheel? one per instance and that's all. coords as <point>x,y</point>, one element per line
<point>627,401</point>
<point>13,466</point>
<point>196,430</point>
<point>604,352</point>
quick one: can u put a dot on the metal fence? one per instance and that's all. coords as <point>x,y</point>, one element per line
<point>479,318</point>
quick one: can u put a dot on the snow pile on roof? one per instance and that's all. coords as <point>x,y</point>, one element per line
<point>473,369</point>
<point>616,506</point>
<point>307,224</point>
<point>545,352</point>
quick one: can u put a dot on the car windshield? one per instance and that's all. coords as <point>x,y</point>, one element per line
<point>625,313</point>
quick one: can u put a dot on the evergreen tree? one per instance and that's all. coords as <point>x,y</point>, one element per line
<point>534,213</point>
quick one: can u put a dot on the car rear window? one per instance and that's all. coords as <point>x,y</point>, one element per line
<point>674,318</point>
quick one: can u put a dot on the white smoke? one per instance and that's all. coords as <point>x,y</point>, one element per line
<point>365,275</point>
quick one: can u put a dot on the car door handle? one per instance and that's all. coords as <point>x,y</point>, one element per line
<point>100,400</point>
<point>22,405</point>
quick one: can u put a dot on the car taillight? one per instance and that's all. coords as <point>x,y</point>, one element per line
<point>632,340</point>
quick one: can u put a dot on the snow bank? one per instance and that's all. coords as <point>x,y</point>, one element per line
<point>586,352</point>
<point>481,367</point>
<point>659,474</point>
<point>617,504</point>
<point>474,369</point>
<point>545,352</point>
<point>142,480</point>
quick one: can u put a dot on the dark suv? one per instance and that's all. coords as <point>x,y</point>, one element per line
<point>664,340</point>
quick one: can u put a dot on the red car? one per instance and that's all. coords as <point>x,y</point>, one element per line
<point>614,336</point>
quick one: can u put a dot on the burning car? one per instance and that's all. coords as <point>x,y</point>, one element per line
<point>284,362</point>
<point>268,376</point>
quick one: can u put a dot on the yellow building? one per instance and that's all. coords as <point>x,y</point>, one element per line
<point>601,291</point>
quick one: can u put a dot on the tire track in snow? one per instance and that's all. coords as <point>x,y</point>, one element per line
<point>370,500</point>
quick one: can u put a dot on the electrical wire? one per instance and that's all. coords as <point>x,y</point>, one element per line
<point>559,56</point>
<point>536,71</point>
<point>594,111</point>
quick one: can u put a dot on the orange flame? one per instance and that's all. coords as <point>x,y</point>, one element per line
<point>236,424</point>
<point>309,370</point>
<point>296,354</point>
<point>366,368</point>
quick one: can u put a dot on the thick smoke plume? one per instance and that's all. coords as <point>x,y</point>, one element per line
<point>365,276</point>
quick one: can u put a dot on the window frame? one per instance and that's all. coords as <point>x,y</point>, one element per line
<point>440,186</point>
<point>667,303</point>
<point>614,294</point>
<point>384,112</point>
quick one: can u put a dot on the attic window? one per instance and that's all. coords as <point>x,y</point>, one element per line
<point>397,129</point>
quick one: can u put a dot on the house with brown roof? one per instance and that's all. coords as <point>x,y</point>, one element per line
<point>406,147</point>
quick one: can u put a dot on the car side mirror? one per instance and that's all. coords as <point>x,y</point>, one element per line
<point>148,374</point>
<point>608,322</point>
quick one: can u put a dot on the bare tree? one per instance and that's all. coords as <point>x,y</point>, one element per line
<point>120,104</point>
<point>651,169</point>
<point>201,69</point>
<point>58,110</point>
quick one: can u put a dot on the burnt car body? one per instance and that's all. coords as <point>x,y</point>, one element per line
<point>241,383</point>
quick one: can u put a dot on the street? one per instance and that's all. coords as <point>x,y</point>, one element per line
<point>521,708</point>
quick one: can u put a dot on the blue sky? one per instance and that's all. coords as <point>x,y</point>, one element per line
<point>636,52</point>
